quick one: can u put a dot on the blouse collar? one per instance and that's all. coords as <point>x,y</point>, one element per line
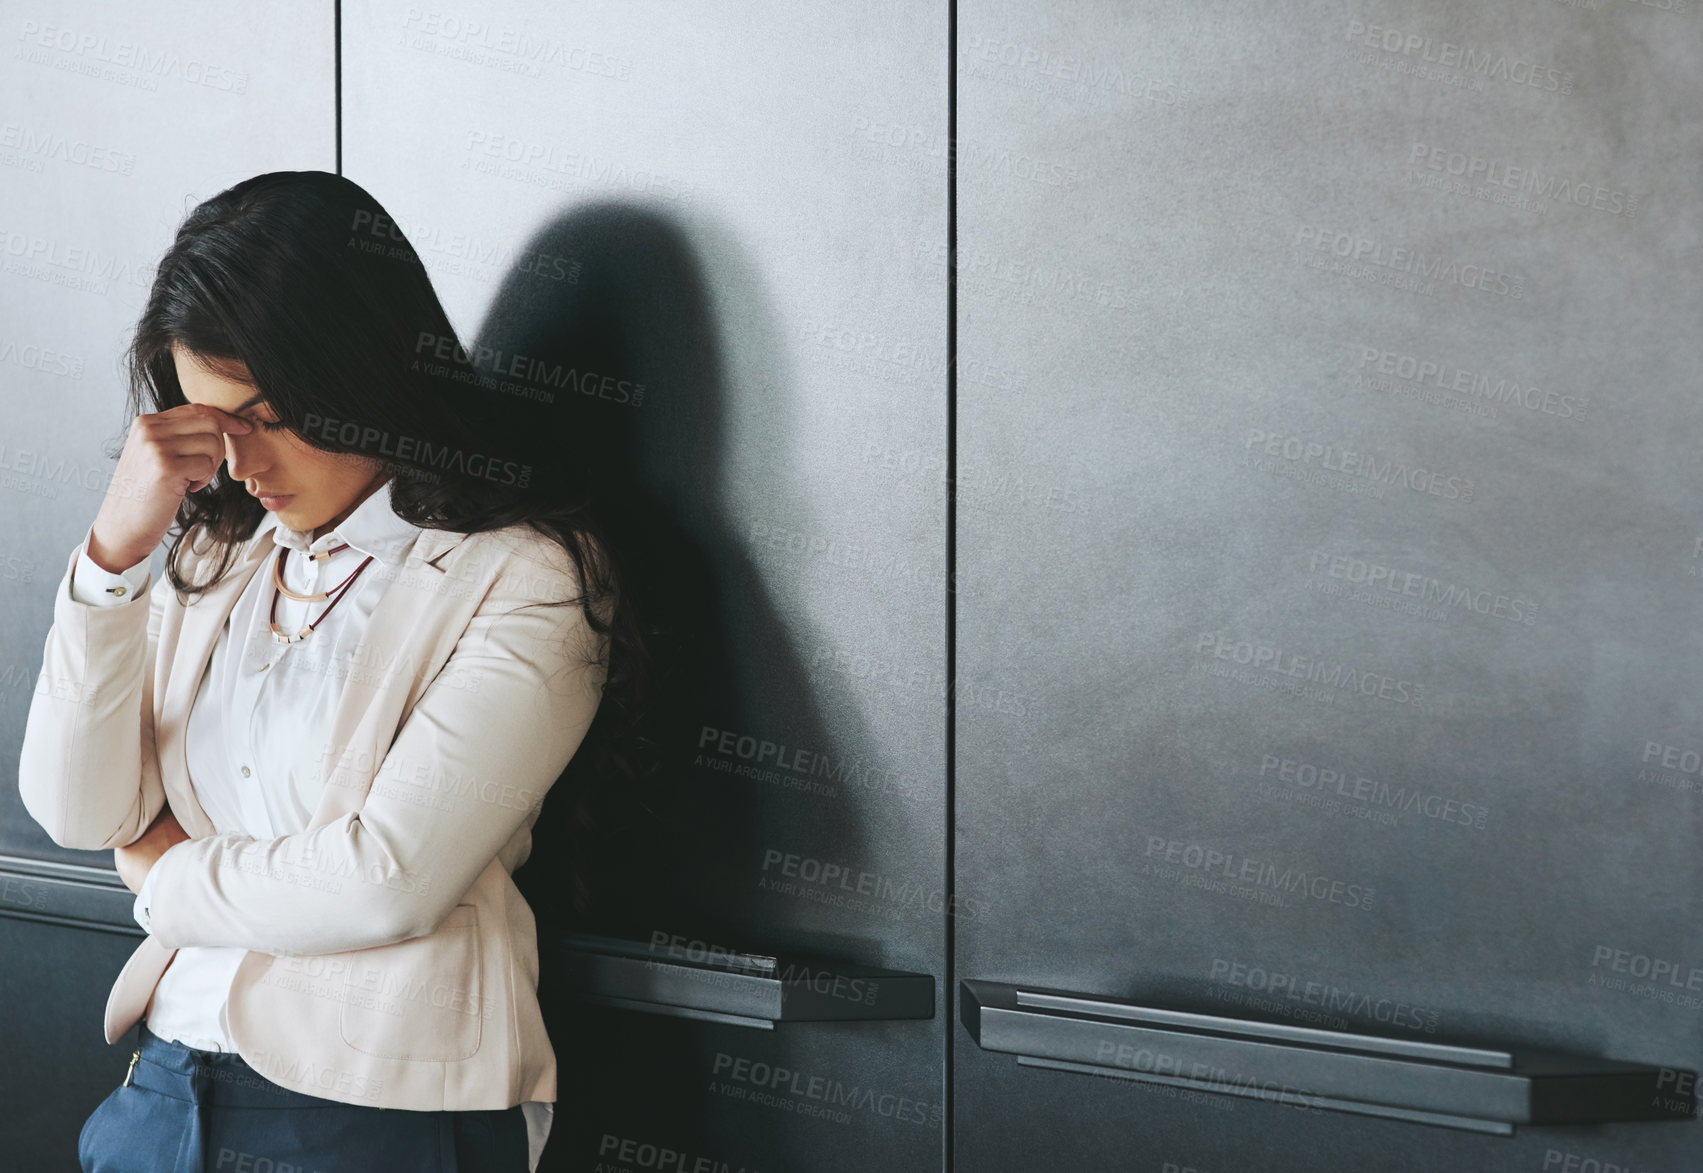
<point>372,528</point>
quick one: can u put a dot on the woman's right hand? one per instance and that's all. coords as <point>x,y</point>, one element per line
<point>133,860</point>
<point>167,454</point>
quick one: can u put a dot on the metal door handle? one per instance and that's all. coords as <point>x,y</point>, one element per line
<point>1479,1089</point>
<point>73,895</point>
<point>745,989</point>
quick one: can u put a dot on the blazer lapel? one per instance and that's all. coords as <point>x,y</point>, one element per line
<point>399,641</point>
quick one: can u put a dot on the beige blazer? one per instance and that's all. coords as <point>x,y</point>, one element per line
<point>392,960</point>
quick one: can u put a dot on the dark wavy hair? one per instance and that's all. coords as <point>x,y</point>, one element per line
<point>305,280</point>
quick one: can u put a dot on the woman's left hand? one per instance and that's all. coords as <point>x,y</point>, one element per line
<point>134,861</point>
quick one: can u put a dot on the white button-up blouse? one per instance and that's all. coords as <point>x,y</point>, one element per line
<point>253,745</point>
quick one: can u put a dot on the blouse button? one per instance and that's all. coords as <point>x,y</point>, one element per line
<point>245,772</point>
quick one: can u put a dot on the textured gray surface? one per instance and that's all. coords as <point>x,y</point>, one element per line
<point>1325,435</point>
<point>1295,551</point>
<point>788,405</point>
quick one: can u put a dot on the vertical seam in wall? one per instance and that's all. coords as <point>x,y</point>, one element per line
<point>337,75</point>
<point>950,1034</point>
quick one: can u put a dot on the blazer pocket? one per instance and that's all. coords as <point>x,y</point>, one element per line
<point>419,998</point>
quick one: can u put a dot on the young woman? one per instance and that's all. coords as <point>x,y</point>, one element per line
<point>391,616</point>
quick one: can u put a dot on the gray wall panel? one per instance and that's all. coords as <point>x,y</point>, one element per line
<point>53,984</point>
<point>725,188</point>
<point>1374,389</point>
<point>116,125</point>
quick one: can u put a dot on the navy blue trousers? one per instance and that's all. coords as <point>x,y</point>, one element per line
<point>193,1111</point>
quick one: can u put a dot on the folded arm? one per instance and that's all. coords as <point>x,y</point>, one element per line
<point>468,769</point>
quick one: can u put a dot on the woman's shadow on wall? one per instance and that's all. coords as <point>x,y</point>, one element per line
<point>607,307</point>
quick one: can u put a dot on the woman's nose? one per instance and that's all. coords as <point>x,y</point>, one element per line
<point>240,458</point>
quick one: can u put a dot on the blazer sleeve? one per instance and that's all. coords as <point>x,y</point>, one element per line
<point>87,771</point>
<point>496,726</point>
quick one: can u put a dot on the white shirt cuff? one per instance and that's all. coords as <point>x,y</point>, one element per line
<point>140,909</point>
<point>98,587</point>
